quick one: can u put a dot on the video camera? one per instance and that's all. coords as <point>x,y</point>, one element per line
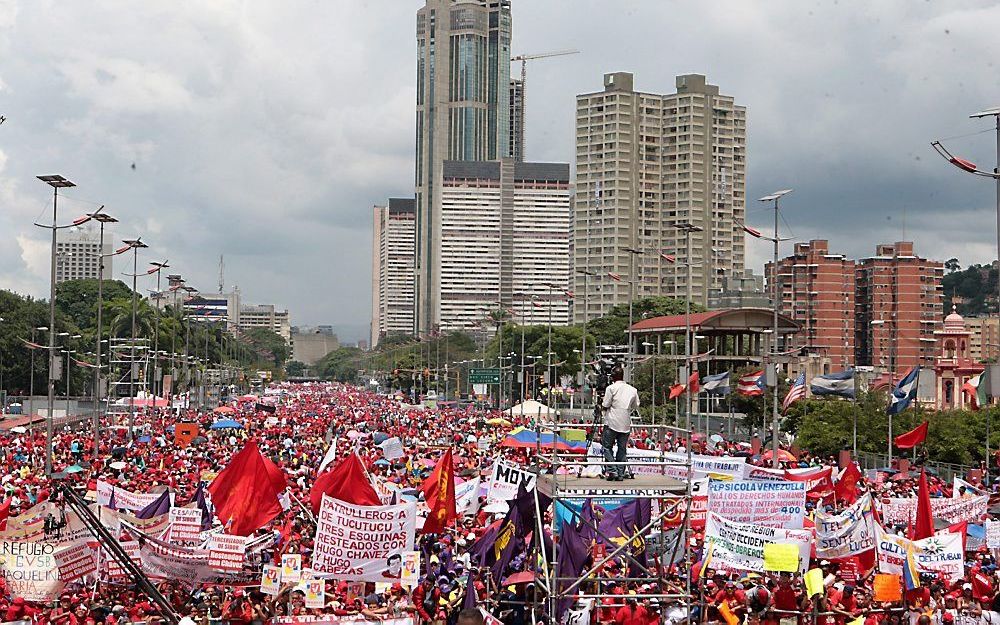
<point>603,367</point>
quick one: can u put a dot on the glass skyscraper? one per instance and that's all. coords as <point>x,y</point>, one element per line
<point>463,114</point>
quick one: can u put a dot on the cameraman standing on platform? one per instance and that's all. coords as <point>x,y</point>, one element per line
<point>620,400</point>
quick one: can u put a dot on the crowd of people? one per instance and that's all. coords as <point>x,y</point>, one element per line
<point>296,425</point>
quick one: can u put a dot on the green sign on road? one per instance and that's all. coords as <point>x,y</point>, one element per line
<point>484,376</point>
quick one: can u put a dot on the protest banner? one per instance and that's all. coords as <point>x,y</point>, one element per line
<point>467,497</point>
<point>226,553</point>
<point>123,499</point>
<point>385,489</point>
<point>315,591</point>
<point>164,561</point>
<point>363,543</point>
<point>903,511</point>
<point>849,533</point>
<point>75,561</point>
<point>699,506</point>
<point>992,534</point>
<point>814,582</point>
<point>270,580</point>
<point>291,567</point>
<point>781,557</point>
<point>392,448</point>
<point>410,576</point>
<point>111,569</point>
<point>30,570</point>
<point>941,553</point>
<point>185,525</point>
<point>886,587</point>
<point>184,433</point>
<point>505,479</point>
<point>774,504</point>
<point>333,619</point>
<point>740,546</point>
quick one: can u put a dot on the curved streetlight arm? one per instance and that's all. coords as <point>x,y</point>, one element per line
<point>963,164</point>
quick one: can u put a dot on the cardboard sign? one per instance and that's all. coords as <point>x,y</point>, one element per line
<point>184,433</point>
<point>270,580</point>
<point>363,543</point>
<point>75,561</point>
<point>315,591</point>
<point>781,557</point>
<point>30,570</point>
<point>291,567</point>
<point>411,569</point>
<point>226,552</point>
<point>887,587</point>
<point>185,526</point>
<point>814,582</point>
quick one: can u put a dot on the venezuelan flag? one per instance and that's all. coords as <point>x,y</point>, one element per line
<point>911,576</point>
<point>706,559</point>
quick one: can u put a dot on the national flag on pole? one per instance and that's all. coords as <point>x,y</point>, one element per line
<point>676,391</point>
<point>956,489</point>
<point>717,384</point>
<point>614,276</point>
<point>840,384</point>
<point>347,481</point>
<point>751,385</point>
<point>752,231</point>
<point>976,391</point>
<point>797,392</point>
<point>904,393</point>
<point>245,493</point>
<point>923,527</point>
<point>670,258</point>
<point>439,493</point>
<point>912,438</point>
<point>911,575</point>
<point>693,385</point>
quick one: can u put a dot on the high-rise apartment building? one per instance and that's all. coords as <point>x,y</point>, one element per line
<point>516,119</point>
<point>646,163</point>
<point>816,288</point>
<point>463,108</point>
<point>505,236</point>
<point>984,338</point>
<point>899,306</point>
<point>77,255</point>
<point>392,268</point>
<point>266,316</point>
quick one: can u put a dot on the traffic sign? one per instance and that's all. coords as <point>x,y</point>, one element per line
<point>484,376</point>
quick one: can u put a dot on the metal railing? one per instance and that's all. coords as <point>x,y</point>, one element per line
<point>944,470</point>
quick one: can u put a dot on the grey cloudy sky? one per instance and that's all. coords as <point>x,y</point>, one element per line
<point>265,131</point>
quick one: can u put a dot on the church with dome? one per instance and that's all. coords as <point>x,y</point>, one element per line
<point>953,364</point>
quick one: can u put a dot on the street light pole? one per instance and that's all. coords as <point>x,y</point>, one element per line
<point>630,358</point>
<point>135,244</point>
<point>583,349</point>
<point>774,328</point>
<point>158,268</point>
<point>56,182</point>
<point>104,219</point>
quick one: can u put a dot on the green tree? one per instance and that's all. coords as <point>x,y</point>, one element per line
<point>295,368</point>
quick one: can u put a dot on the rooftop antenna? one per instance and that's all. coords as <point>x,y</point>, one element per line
<point>222,273</point>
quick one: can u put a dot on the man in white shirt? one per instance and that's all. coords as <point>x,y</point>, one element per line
<point>620,400</point>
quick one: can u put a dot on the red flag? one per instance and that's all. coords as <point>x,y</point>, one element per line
<point>4,514</point>
<point>693,383</point>
<point>245,493</point>
<point>439,493</point>
<point>847,486</point>
<point>346,481</point>
<point>676,391</point>
<point>912,438</point>
<point>924,525</point>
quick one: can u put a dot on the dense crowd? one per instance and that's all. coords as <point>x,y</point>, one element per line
<point>296,425</point>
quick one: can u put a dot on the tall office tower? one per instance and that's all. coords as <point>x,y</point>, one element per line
<point>899,305</point>
<point>463,109</point>
<point>505,235</point>
<point>392,268</point>
<point>516,119</point>
<point>77,255</point>
<point>646,163</point>
<point>816,288</point>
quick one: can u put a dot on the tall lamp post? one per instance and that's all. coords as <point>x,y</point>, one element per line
<point>157,267</point>
<point>103,219</point>
<point>56,182</point>
<point>133,244</point>
<point>970,167</point>
<point>688,229</point>
<point>774,197</point>
<point>31,382</point>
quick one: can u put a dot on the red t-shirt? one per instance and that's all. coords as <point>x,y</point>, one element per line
<point>785,598</point>
<point>628,615</point>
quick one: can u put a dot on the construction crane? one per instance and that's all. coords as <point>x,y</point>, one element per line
<point>524,58</point>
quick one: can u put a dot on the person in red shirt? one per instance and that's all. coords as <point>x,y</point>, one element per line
<point>631,614</point>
